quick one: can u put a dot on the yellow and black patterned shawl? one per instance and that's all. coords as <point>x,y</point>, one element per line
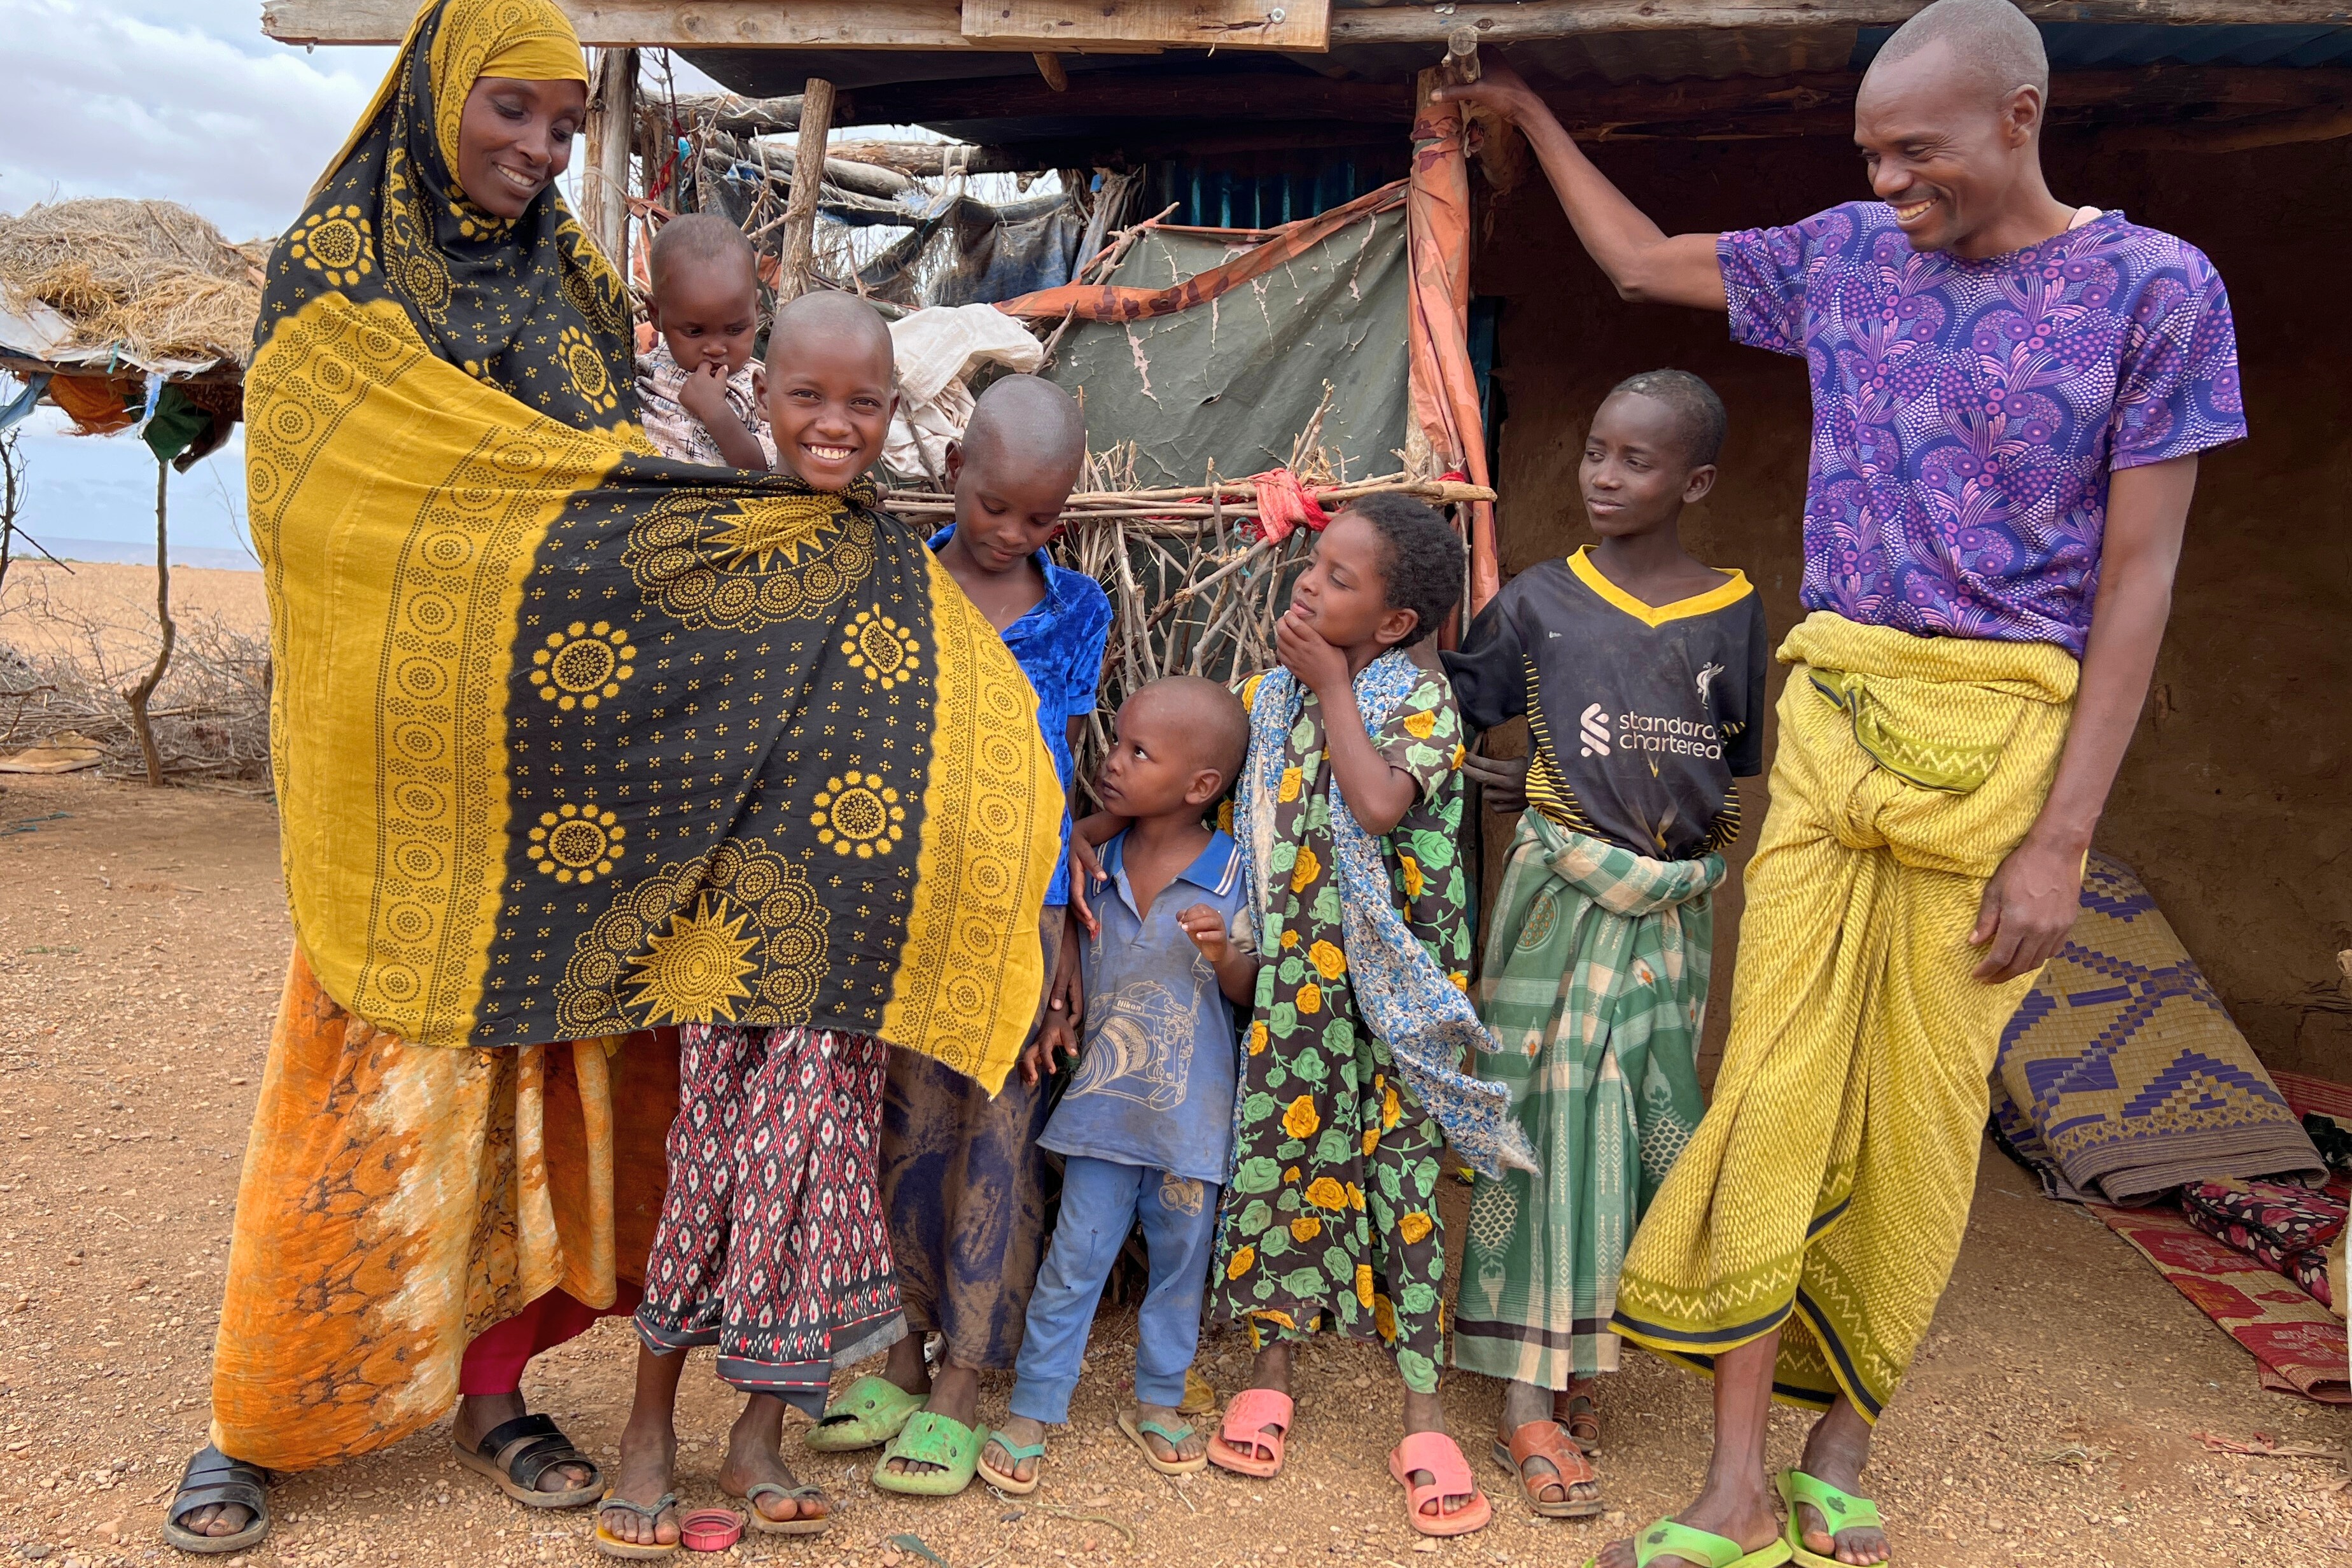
<point>570,739</point>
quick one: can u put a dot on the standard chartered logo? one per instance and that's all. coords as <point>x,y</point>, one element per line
<point>1604,733</point>
<point>1594,725</point>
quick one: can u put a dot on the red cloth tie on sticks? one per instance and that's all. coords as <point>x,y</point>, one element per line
<point>1284,504</point>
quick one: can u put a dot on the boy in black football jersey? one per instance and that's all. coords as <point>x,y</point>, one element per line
<point>1641,672</point>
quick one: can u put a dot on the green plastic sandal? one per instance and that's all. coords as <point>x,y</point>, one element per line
<point>931,1438</point>
<point>1840,1511</point>
<point>1664,1538</point>
<point>869,1412</point>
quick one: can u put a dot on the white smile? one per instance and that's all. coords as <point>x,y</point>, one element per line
<point>828,454</point>
<point>520,182</point>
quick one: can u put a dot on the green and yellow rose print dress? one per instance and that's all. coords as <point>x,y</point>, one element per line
<point>1331,1218</point>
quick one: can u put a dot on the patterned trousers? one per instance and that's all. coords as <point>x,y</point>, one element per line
<point>772,1244</point>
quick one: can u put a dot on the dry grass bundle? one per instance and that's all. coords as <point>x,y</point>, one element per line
<point>151,276</point>
<point>211,714</point>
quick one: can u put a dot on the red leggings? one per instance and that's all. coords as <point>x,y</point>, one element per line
<point>494,1361</point>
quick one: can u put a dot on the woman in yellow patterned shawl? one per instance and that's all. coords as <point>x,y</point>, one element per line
<point>572,744</point>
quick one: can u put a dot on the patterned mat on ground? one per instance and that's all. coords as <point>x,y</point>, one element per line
<point>2299,1342</point>
<point>2121,1076</point>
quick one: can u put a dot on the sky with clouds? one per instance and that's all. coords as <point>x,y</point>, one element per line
<point>183,100</point>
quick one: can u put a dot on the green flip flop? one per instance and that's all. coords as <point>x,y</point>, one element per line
<point>1841,1510</point>
<point>1664,1538</point>
<point>931,1438</point>
<point>869,1412</point>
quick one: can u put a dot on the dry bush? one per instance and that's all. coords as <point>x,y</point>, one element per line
<point>152,275</point>
<point>211,715</point>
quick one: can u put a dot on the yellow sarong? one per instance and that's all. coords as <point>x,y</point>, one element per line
<point>1831,1175</point>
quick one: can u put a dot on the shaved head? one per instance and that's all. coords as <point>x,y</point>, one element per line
<point>1209,720</point>
<point>698,240</point>
<point>1991,40</point>
<point>830,324</point>
<point>1697,412</point>
<point>1026,424</point>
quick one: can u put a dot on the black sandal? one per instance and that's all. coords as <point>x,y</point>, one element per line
<point>213,1478</point>
<point>516,1453</point>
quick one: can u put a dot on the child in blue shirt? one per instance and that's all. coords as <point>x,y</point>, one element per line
<point>962,1176</point>
<point>1146,1125</point>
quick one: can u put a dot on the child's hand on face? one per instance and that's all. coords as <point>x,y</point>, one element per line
<point>1320,666</point>
<point>704,395</point>
<point>1207,929</point>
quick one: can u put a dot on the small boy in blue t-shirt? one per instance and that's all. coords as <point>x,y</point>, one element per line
<point>1146,1125</point>
<point>963,1181</point>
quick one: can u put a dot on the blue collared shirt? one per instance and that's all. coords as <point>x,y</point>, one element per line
<point>1060,644</point>
<point>1154,1085</point>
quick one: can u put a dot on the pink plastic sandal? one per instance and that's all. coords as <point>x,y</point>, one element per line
<point>1244,1433</point>
<point>1442,1458</point>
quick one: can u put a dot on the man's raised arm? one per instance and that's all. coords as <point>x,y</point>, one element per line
<point>1640,258</point>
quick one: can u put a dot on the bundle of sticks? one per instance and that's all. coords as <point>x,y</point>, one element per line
<point>1196,581</point>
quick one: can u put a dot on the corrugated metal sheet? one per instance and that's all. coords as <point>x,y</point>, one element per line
<point>2086,46</point>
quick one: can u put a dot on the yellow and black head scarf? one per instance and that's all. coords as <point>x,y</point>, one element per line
<point>572,740</point>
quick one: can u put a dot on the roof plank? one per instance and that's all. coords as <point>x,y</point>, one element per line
<point>663,24</point>
<point>938,24</point>
<point>1511,21</point>
<point>1297,24</point>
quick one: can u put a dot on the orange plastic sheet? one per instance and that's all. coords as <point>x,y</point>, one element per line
<point>96,404</point>
<point>1117,302</point>
<point>1445,396</point>
<point>1445,382</point>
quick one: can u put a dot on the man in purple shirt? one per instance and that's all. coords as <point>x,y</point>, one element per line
<point>2010,395</point>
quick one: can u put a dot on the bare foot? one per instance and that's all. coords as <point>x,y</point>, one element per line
<point>1194,1446</point>
<point>647,1470</point>
<point>1524,1403</point>
<point>1270,1370</point>
<point>1573,1408</point>
<point>1746,1517</point>
<point>1018,1432</point>
<point>1426,1412</point>
<point>755,1457</point>
<point>1835,1451</point>
<point>955,1394</point>
<point>480,1415</point>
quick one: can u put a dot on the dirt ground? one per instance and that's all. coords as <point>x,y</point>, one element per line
<point>142,939</point>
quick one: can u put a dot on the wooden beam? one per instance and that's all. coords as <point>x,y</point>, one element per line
<point>800,212</point>
<point>1519,21</point>
<point>1297,24</point>
<point>604,189</point>
<point>662,24</point>
<point>938,24</point>
<point>2237,135</point>
<point>1578,105</point>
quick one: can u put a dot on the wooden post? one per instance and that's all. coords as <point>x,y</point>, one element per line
<point>604,183</point>
<point>138,695</point>
<point>808,177</point>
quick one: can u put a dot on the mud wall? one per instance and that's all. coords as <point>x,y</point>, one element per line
<point>2235,803</point>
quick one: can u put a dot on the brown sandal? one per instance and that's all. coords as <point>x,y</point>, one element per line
<point>1546,1440</point>
<point>1583,1424</point>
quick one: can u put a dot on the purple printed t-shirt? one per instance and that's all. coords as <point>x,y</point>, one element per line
<point>1967,413</point>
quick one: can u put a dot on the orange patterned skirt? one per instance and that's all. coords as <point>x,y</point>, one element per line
<point>399,1199</point>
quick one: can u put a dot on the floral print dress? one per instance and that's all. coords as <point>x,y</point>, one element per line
<point>1330,1219</point>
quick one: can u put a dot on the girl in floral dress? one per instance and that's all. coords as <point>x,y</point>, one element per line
<point>1347,812</point>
